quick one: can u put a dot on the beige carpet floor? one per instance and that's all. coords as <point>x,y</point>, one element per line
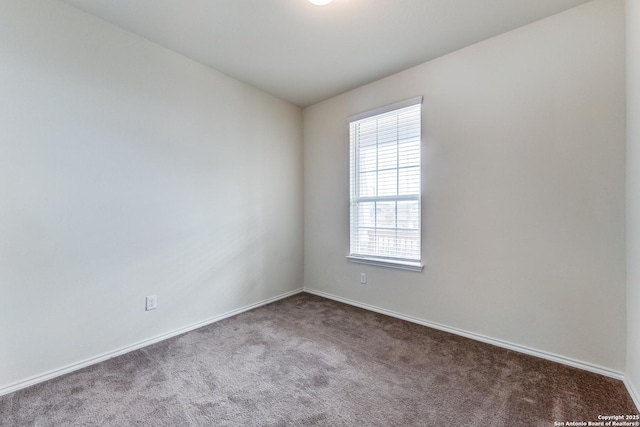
<point>309,361</point>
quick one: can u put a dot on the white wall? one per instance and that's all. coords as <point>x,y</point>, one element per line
<point>523,207</point>
<point>633,196</point>
<point>128,170</point>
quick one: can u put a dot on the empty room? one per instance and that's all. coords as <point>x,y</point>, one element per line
<point>320,212</point>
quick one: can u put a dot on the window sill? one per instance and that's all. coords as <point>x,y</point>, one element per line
<point>382,262</point>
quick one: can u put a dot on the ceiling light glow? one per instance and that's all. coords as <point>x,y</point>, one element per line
<point>320,2</point>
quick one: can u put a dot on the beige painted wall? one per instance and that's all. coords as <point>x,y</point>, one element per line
<point>128,170</point>
<point>633,195</point>
<point>523,183</point>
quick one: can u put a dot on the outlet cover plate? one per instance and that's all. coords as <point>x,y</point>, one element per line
<point>151,302</point>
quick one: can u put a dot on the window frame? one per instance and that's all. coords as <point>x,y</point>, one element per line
<point>378,260</point>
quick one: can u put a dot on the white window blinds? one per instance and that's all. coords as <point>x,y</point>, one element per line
<point>385,183</point>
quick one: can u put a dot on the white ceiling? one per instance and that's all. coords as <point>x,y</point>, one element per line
<point>305,53</point>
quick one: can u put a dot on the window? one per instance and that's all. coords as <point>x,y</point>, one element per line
<point>385,186</point>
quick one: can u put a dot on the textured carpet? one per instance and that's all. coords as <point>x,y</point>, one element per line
<point>306,361</point>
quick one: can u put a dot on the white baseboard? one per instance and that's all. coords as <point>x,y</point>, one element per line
<point>633,392</point>
<point>504,344</point>
<point>10,388</point>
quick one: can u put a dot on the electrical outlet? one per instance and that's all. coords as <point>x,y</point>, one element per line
<point>152,302</point>
<point>363,278</point>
